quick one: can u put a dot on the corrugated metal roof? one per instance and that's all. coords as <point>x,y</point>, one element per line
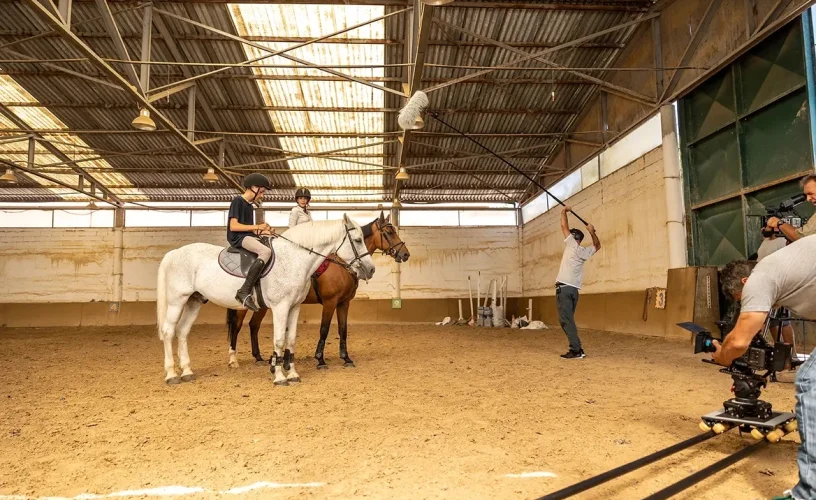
<point>530,99</point>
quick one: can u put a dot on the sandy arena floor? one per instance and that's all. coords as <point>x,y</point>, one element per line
<point>429,412</point>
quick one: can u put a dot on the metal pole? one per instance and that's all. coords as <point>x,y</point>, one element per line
<point>191,104</point>
<point>673,183</point>
<point>807,21</point>
<point>147,28</point>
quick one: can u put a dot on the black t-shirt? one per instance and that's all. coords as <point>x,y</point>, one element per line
<point>242,210</point>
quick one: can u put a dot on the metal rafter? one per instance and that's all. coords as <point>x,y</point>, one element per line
<point>118,43</point>
<point>19,122</point>
<point>138,97</point>
<point>598,6</point>
<point>283,52</point>
<point>776,10</point>
<point>610,87</point>
<point>63,184</point>
<point>423,34</point>
<point>175,52</point>
<point>692,45</point>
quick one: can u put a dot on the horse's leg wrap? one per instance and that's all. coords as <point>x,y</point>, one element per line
<point>287,359</point>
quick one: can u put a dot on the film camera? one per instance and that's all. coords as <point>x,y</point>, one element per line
<point>747,383</point>
<point>785,212</point>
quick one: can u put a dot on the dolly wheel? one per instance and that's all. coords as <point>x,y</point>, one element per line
<point>792,426</point>
<point>775,435</point>
<point>757,434</point>
<point>704,427</point>
<point>719,428</point>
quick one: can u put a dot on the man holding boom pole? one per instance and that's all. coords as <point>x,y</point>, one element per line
<point>569,280</point>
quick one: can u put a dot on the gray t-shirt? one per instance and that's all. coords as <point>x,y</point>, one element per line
<point>786,278</point>
<point>770,246</point>
<point>572,262</point>
<point>809,228</point>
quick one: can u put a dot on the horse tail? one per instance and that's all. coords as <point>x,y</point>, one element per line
<point>161,293</point>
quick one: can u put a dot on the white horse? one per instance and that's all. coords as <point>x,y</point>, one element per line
<point>190,273</point>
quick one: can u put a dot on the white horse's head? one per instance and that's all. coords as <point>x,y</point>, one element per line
<point>353,250</point>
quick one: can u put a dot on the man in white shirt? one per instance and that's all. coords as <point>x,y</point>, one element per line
<point>300,213</point>
<point>569,280</point>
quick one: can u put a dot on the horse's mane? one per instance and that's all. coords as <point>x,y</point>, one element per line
<point>316,233</point>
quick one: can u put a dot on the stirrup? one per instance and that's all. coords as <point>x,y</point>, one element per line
<point>247,302</point>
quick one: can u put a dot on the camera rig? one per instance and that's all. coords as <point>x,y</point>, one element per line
<point>744,411</point>
<point>786,212</point>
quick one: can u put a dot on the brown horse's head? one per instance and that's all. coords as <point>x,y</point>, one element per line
<point>384,237</point>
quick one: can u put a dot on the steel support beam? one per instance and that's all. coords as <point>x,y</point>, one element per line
<point>657,42</point>
<point>610,87</point>
<point>598,6</point>
<point>692,45</point>
<point>147,31</point>
<point>175,52</point>
<point>283,52</point>
<point>137,96</point>
<point>64,7</point>
<point>421,41</point>
<point>118,43</point>
<point>191,108</point>
<point>63,70</point>
<point>776,10</point>
<point>60,183</point>
<point>19,122</point>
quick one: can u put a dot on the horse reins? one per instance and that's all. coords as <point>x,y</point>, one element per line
<point>347,266</point>
<point>392,249</point>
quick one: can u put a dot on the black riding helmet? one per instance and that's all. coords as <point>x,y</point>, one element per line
<point>257,180</point>
<point>303,192</point>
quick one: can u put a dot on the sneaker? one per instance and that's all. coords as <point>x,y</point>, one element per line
<point>574,355</point>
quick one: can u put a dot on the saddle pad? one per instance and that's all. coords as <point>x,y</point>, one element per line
<point>322,269</point>
<point>236,262</point>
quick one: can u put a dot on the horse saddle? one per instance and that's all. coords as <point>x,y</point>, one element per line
<point>236,261</point>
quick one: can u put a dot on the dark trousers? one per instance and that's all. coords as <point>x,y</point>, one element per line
<point>566,299</point>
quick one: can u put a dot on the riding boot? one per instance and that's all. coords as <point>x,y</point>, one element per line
<point>244,295</point>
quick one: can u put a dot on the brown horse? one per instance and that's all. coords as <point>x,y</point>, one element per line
<point>334,288</point>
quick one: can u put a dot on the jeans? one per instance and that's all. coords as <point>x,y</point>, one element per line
<point>806,416</point>
<point>566,299</point>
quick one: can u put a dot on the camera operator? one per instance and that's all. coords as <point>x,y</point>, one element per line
<point>770,244</point>
<point>808,184</point>
<point>786,278</point>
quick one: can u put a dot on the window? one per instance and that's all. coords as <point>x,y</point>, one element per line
<point>429,218</point>
<point>215,218</point>
<point>157,218</point>
<point>487,217</point>
<point>636,144</point>
<point>26,218</point>
<point>590,173</point>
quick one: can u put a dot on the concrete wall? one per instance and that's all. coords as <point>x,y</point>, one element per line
<point>628,209</point>
<point>67,274</point>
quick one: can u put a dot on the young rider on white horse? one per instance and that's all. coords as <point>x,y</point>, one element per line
<point>242,232</point>
<point>300,213</point>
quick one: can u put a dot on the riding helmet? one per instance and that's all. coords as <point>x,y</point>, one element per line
<point>256,180</point>
<point>303,192</point>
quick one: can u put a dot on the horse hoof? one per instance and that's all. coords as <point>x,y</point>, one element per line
<point>349,364</point>
<point>188,378</point>
<point>173,381</point>
<point>295,380</point>
<point>323,366</point>
<point>234,364</point>
<point>281,382</point>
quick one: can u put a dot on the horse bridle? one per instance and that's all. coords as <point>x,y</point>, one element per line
<point>392,249</point>
<point>347,266</point>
